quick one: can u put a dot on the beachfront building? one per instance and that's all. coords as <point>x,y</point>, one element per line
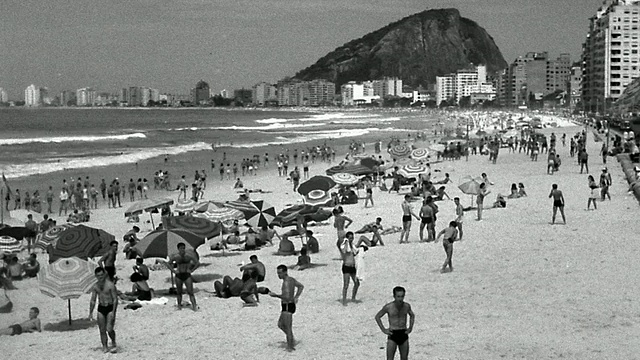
<point>445,89</point>
<point>264,93</point>
<point>463,83</point>
<point>243,96</point>
<point>610,55</point>
<point>4,98</point>
<point>32,96</point>
<point>294,92</point>
<point>201,93</point>
<point>85,97</point>
<point>575,86</point>
<point>629,102</point>
<point>353,93</point>
<point>68,98</point>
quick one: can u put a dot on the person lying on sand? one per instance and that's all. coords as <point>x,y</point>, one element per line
<point>31,325</point>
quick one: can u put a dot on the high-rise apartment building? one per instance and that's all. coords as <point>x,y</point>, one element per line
<point>263,93</point>
<point>85,97</point>
<point>610,53</point>
<point>575,85</point>
<point>387,87</point>
<point>462,83</point>
<point>293,92</point>
<point>201,93</point>
<point>68,98</point>
<point>4,98</point>
<point>32,96</point>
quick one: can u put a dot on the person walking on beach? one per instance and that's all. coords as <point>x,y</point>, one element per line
<point>407,213</point>
<point>348,254</point>
<point>449,234</point>
<point>182,265</point>
<point>459,216</point>
<point>288,302</point>
<point>49,198</point>
<point>183,188</point>
<point>64,197</point>
<point>583,158</point>
<point>558,203</point>
<point>593,195</point>
<point>482,192</point>
<point>605,182</point>
<point>398,332</point>
<point>106,293</point>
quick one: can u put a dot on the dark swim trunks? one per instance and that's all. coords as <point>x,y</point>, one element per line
<point>105,310</point>
<point>111,271</point>
<point>144,295</point>
<point>399,336</point>
<point>260,278</point>
<point>183,276</point>
<point>348,269</point>
<point>558,203</point>
<point>17,329</point>
<point>289,307</point>
<point>427,220</point>
<point>406,218</point>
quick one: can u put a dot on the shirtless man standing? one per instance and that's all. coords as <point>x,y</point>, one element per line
<point>31,325</point>
<point>558,203</point>
<point>289,301</point>
<point>426,214</point>
<point>407,212</point>
<point>398,333</point>
<point>185,264</point>
<point>459,216</point>
<point>107,296</point>
<point>340,222</point>
<point>108,261</point>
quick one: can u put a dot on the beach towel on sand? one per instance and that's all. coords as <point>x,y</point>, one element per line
<point>155,301</point>
<point>360,263</point>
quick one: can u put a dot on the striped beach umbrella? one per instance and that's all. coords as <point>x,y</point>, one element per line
<point>345,179</point>
<point>67,279</point>
<point>317,197</point>
<point>420,154</point>
<point>246,207</point>
<point>318,182</point>
<point>413,171</point>
<point>147,205</point>
<point>199,226</point>
<point>355,169</point>
<point>404,161</point>
<point>43,240</point>
<point>265,215</point>
<point>80,241</point>
<point>206,206</point>
<point>399,151</point>
<point>10,245</point>
<point>221,214</point>
<point>162,243</point>
<point>185,205</point>
<point>470,187</point>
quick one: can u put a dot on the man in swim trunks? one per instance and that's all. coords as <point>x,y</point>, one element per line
<point>459,216</point>
<point>558,203</point>
<point>256,266</point>
<point>182,265</point>
<point>108,260</point>
<point>426,214</point>
<point>398,333</point>
<point>107,296</point>
<point>407,212</point>
<point>289,301</point>
<point>450,235</point>
<point>31,325</point>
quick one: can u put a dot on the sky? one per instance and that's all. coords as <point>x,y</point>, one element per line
<point>172,44</point>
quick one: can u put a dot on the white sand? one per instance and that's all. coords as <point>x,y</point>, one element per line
<point>521,287</point>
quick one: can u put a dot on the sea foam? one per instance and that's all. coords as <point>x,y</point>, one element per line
<point>61,139</point>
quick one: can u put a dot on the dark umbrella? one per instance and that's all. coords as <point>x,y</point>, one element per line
<point>318,182</point>
<point>355,169</point>
<point>81,241</point>
<point>162,243</point>
<point>369,162</point>
<point>287,217</point>
<point>18,232</point>
<point>199,226</point>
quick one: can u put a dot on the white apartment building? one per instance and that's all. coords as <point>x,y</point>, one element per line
<point>387,86</point>
<point>445,88</point>
<point>462,83</point>
<point>85,97</point>
<point>3,96</point>
<point>610,54</point>
<point>357,94</point>
<point>263,93</point>
<point>32,96</point>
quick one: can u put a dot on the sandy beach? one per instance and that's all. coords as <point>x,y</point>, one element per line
<point>521,288</point>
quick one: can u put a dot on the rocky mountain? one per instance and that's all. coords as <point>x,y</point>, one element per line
<point>416,49</point>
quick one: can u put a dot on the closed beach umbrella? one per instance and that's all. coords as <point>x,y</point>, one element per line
<point>345,179</point>
<point>199,226</point>
<point>413,171</point>
<point>67,279</point>
<point>317,198</point>
<point>318,182</point>
<point>185,205</point>
<point>18,232</point>
<point>264,217</point>
<point>10,245</point>
<point>162,243</point>
<point>399,151</point>
<point>43,240</point>
<point>80,241</point>
<point>420,154</point>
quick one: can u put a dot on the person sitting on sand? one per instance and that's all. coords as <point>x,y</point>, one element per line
<point>129,249</point>
<point>521,191</point>
<point>304,261</point>
<point>267,233</point>
<point>31,267</point>
<point>250,240</point>
<point>312,243</point>
<point>500,202</point>
<point>14,270</point>
<point>249,290</point>
<point>31,325</point>
<point>286,247</point>
<point>254,265</point>
<point>75,217</point>
<point>238,184</point>
<point>446,179</point>
<point>140,289</point>
<point>514,192</point>
<point>440,194</point>
<point>233,239</point>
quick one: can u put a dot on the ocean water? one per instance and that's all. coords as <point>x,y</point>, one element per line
<point>40,141</point>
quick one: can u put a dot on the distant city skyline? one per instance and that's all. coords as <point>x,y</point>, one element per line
<point>171,45</point>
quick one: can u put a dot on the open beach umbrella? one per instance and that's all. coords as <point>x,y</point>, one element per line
<point>67,279</point>
<point>404,161</point>
<point>10,245</point>
<point>399,151</point>
<point>318,182</point>
<point>206,206</point>
<point>162,243</point>
<point>413,171</point>
<point>147,205</point>
<point>246,207</point>
<point>51,236</point>
<point>105,239</point>
<point>470,187</point>
<point>185,205</point>
<point>287,217</point>
<point>197,225</point>
<point>221,215</point>
<point>317,198</point>
<point>79,241</point>
<point>437,147</point>
<point>355,169</point>
<point>264,217</point>
<point>345,179</point>
<point>17,232</point>
<point>369,162</point>
<point>420,154</point>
